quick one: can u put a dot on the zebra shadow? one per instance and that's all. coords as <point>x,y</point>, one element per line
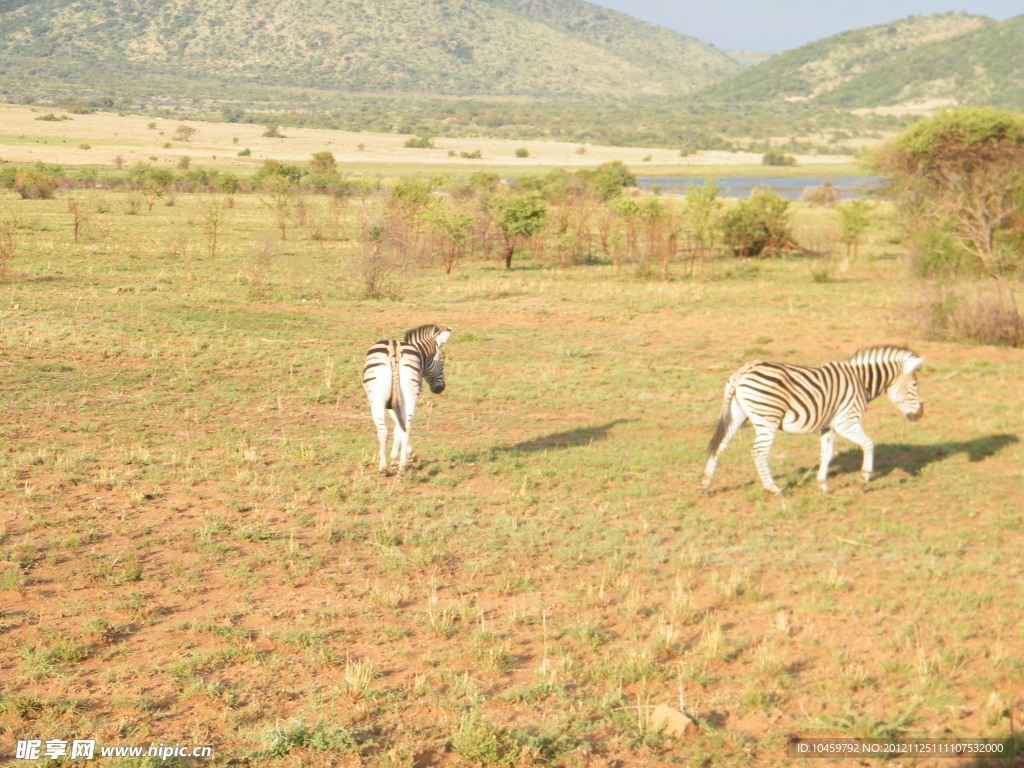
<point>912,459</point>
<point>573,438</point>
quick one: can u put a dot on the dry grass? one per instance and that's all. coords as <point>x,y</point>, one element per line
<point>25,139</point>
<point>195,547</point>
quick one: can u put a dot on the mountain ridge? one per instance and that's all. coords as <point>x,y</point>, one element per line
<point>955,57</point>
<point>451,47</point>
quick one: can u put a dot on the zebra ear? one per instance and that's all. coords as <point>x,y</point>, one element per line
<point>443,336</point>
<point>914,363</point>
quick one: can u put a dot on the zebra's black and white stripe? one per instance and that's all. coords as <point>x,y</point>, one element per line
<point>391,380</point>
<point>830,399</point>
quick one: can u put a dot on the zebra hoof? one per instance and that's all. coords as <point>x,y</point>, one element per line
<point>823,487</point>
<point>774,490</point>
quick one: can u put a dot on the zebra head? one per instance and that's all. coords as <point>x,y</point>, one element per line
<point>892,370</point>
<point>903,390</point>
<point>429,340</point>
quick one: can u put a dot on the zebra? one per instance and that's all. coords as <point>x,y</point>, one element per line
<point>391,380</point>
<point>830,399</point>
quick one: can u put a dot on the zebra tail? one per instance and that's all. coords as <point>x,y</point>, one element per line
<point>397,404</point>
<point>724,421</point>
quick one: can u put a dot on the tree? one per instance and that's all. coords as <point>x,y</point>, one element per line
<point>451,227</point>
<point>757,225</point>
<point>854,219</point>
<point>323,163</point>
<point>702,209</point>
<point>777,157</point>
<point>184,133</point>
<point>36,183</point>
<point>518,217</point>
<point>609,179</point>
<point>961,173</point>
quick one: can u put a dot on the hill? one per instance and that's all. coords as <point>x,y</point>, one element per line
<point>982,66</point>
<point>816,70</point>
<point>448,47</point>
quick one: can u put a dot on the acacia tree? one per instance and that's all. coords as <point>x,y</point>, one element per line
<point>854,219</point>
<point>518,217</point>
<point>961,173</point>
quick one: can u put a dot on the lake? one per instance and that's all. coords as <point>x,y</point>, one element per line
<point>791,188</point>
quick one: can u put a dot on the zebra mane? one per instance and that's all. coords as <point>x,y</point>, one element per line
<point>879,366</point>
<point>427,331</point>
<point>881,353</point>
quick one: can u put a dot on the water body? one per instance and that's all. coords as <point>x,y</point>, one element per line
<point>791,188</point>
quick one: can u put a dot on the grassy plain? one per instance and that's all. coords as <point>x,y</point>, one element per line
<point>196,548</point>
<point>97,139</point>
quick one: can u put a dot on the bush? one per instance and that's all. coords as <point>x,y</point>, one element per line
<point>271,168</point>
<point>936,253</point>
<point>825,195</point>
<point>323,163</point>
<point>777,157</point>
<point>37,183</point>
<point>757,226</point>
<point>960,175</point>
<point>380,267</point>
<point>609,179</point>
<point>420,142</point>
<point>983,313</point>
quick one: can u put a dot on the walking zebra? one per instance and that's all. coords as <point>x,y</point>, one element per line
<point>830,399</point>
<point>391,381</point>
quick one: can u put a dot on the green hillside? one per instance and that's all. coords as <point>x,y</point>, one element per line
<point>453,47</point>
<point>816,70</point>
<point>983,66</point>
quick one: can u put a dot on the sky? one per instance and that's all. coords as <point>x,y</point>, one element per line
<point>779,25</point>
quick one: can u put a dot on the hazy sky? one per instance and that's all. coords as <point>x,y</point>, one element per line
<point>778,25</point>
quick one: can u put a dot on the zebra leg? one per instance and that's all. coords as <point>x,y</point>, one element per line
<point>854,432</point>
<point>410,394</point>
<point>828,440</point>
<point>380,423</point>
<point>765,436</point>
<point>396,443</point>
<point>407,452</point>
<point>733,421</point>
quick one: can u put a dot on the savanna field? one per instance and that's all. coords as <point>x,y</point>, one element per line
<point>197,548</point>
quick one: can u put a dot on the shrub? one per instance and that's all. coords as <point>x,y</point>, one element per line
<point>323,163</point>
<point>272,168</point>
<point>37,183</point>
<point>379,268</point>
<point>825,195</point>
<point>961,175</point>
<point>979,313</point>
<point>518,217</point>
<point>522,152</point>
<point>777,157</point>
<point>854,219</point>
<point>758,225</point>
<point>935,252</point>
<point>609,179</point>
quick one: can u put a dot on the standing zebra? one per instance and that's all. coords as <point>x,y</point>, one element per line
<point>391,381</point>
<point>830,399</point>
